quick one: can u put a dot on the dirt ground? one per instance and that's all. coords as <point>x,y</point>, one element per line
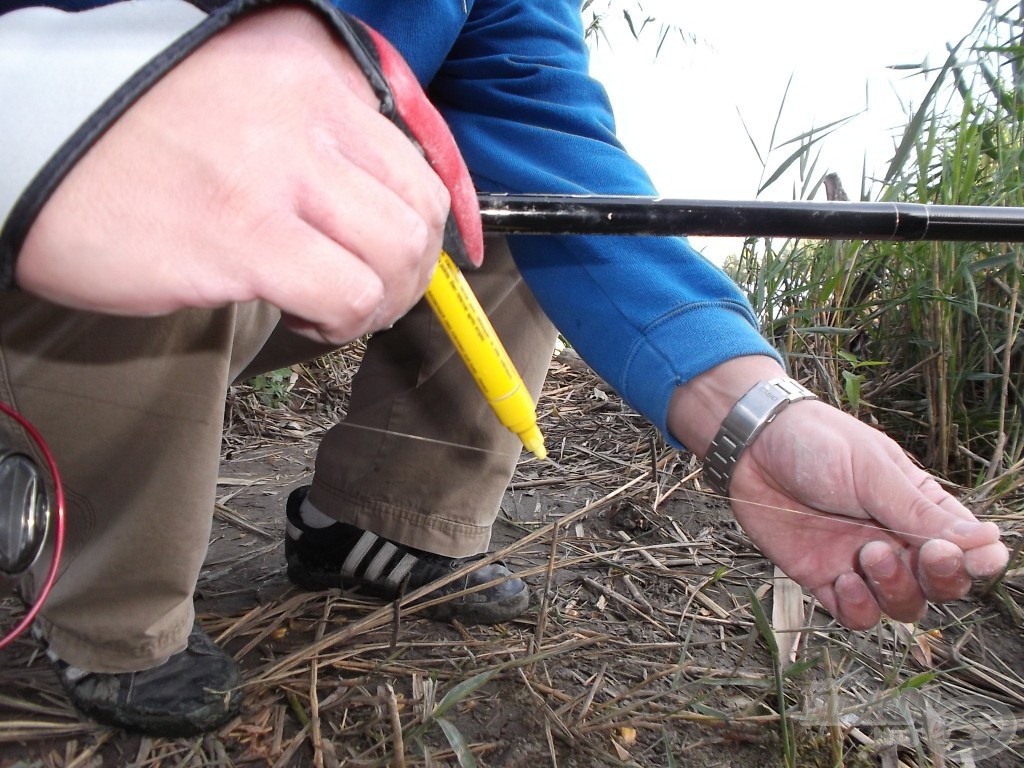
<point>647,642</point>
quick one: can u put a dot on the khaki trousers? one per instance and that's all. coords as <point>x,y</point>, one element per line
<point>133,412</point>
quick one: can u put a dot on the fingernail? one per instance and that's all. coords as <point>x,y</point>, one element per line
<point>945,567</point>
<point>848,586</point>
<point>882,565</point>
<point>967,528</point>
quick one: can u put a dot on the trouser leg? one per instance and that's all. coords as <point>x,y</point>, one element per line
<point>421,459</point>
<point>133,412</point>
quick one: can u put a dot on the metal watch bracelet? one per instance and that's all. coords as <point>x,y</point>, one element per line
<point>754,411</point>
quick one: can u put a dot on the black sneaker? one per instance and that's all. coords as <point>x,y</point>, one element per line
<point>194,691</point>
<point>343,556</point>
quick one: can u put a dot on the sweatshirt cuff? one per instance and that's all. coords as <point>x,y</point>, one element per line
<point>653,369</point>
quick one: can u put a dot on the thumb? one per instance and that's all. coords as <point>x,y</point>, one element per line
<point>911,503</point>
<point>418,117</point>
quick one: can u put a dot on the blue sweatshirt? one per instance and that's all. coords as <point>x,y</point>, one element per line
<point>511,78</point>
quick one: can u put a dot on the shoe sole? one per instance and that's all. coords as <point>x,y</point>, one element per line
<point>182,725</point>
<point>493,612</point>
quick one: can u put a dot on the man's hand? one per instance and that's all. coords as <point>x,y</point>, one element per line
<point>840,508</point>
<point>259,168</point>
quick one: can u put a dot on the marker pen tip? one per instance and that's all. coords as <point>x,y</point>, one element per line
<point>534,442</point>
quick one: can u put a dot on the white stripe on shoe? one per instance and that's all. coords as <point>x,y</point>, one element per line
<point>379,562</point>
<point>359,551</point>
<point>400,571</point>
<point>377,571</point>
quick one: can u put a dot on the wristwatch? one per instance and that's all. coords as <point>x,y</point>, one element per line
<point>754,411</point>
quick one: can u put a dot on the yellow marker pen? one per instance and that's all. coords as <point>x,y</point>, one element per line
<point>467,325</point>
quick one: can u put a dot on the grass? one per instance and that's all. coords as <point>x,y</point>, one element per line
<point>646,645</point>
<point>922,338</point>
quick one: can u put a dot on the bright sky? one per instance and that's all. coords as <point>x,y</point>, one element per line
<point>679,114</point>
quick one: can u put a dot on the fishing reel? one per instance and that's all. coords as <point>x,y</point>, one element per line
<point>24,513</point>
<point>27,515</point>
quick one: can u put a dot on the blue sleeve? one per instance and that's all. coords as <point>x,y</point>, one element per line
<point>647,313</point>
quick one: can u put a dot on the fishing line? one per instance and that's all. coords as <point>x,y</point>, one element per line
<point>828,517</point>
<point>433,440</point>
<point>59,505</point>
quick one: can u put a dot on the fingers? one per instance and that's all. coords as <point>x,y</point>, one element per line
<point>369,216</point>
<point>987,562</point>
<point>891,581</point>
<point>394,223</point>
<point>954,545</point>
<point>852,603</point>
<point>887,584</point>
<point>904,498</point>
<point>326,293</point>
<point>357,214</point>
<point>942,571</point>
<point>348,243</point>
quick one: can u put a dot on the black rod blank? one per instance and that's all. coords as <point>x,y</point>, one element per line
<point>625,215</point>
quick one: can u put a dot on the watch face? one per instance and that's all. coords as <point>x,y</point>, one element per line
<point>24,513</point>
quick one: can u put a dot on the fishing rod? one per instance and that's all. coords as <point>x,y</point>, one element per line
<point>628,215</point>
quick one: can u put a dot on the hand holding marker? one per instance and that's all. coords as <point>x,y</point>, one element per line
<point>449,295</point>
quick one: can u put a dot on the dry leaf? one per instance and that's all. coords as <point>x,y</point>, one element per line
<point>919,641</point>
<point>787,616</point>
<point>620,750</point>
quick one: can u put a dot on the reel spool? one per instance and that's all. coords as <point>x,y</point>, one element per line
<point>24,513</point>
<point>26,517</point>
